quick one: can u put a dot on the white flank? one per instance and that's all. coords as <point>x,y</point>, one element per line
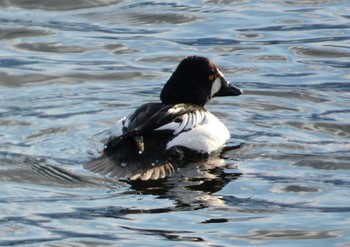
<point>206,137</point>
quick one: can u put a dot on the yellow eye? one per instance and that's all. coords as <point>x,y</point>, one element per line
<point>211,77</point>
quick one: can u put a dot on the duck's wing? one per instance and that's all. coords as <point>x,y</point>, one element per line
<point>140,152</point>
<point>158,118</point>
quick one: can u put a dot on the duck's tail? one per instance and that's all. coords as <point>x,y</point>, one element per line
<point>104,165</point>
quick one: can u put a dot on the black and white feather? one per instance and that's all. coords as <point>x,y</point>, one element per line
<point>153,138</point>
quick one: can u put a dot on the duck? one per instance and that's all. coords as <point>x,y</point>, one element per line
<point>159,137</point>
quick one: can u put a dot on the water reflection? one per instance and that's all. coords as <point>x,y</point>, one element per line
<point>16,168</point>
<point>194,186</point>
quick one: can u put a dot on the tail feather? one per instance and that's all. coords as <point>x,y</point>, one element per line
<point>155,173</point>
<point>102,165</point>
<point>137,158</point>
<point>133,171</point>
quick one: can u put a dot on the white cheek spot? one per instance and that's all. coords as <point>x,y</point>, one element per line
<point>216,86</point>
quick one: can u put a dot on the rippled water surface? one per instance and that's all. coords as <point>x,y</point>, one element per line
<point>70,69</point>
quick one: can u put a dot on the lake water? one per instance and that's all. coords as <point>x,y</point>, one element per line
<point>70,69</point>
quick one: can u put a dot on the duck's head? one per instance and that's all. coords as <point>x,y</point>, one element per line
<point>196,80</point>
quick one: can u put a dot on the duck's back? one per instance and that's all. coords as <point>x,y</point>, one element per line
<point>140,151</point>
<point>157,138</point>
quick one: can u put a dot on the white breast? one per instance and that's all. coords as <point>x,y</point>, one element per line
<point>208,136</point>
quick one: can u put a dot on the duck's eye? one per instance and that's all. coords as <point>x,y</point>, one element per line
<point>211,77</point>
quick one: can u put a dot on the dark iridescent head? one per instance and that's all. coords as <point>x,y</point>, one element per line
<point>196,80</point>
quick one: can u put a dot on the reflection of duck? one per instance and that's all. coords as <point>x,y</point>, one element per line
<point>195,186</point>
<point>158,137</point>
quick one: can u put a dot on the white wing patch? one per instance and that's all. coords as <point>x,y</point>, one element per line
<point>174,110</point>
<point>207,136</point>
<point>184,122</point>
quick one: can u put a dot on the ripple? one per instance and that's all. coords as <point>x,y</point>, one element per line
<point>250,35</point>
<point>20,80</point>
<point>164,59</point>
<point>294,188</point>
<point>324,164</point>
<point>9,123</point>
<point>53,47</point>
<point>206,41</point>
<point>22,32</point>
<point>53,5</point>
<point>302,27</point>
<point>321,52</point>
<point>129,14</point>
<point>260,235</point>
<point>296,94</point>
<point>34,78</point>
<point>157,18</point>
<point>310,2</point>
<point>120,49</point>
<point>231,49</point>
<point>26,169</point>
<point>333,128</point>
<point>329,63</point>
<point>270,58</point>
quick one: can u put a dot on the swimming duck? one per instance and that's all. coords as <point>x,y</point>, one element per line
<point>159,137</point>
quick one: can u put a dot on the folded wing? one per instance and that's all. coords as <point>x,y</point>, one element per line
<point>140,152</point>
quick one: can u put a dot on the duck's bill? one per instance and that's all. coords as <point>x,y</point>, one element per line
<point>227,89</point>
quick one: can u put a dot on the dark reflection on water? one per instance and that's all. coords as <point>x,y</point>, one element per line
<point>70,69</point>
<point>193,186</point>
<point>53,5</point>
<point>290,234</point>
<point>22,32</point>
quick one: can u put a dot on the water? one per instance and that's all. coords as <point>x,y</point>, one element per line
<point>70,69</point>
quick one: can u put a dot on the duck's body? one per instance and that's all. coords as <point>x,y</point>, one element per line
<point>158,137</point>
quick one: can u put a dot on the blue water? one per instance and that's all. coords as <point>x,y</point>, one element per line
<point>70,69</point>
